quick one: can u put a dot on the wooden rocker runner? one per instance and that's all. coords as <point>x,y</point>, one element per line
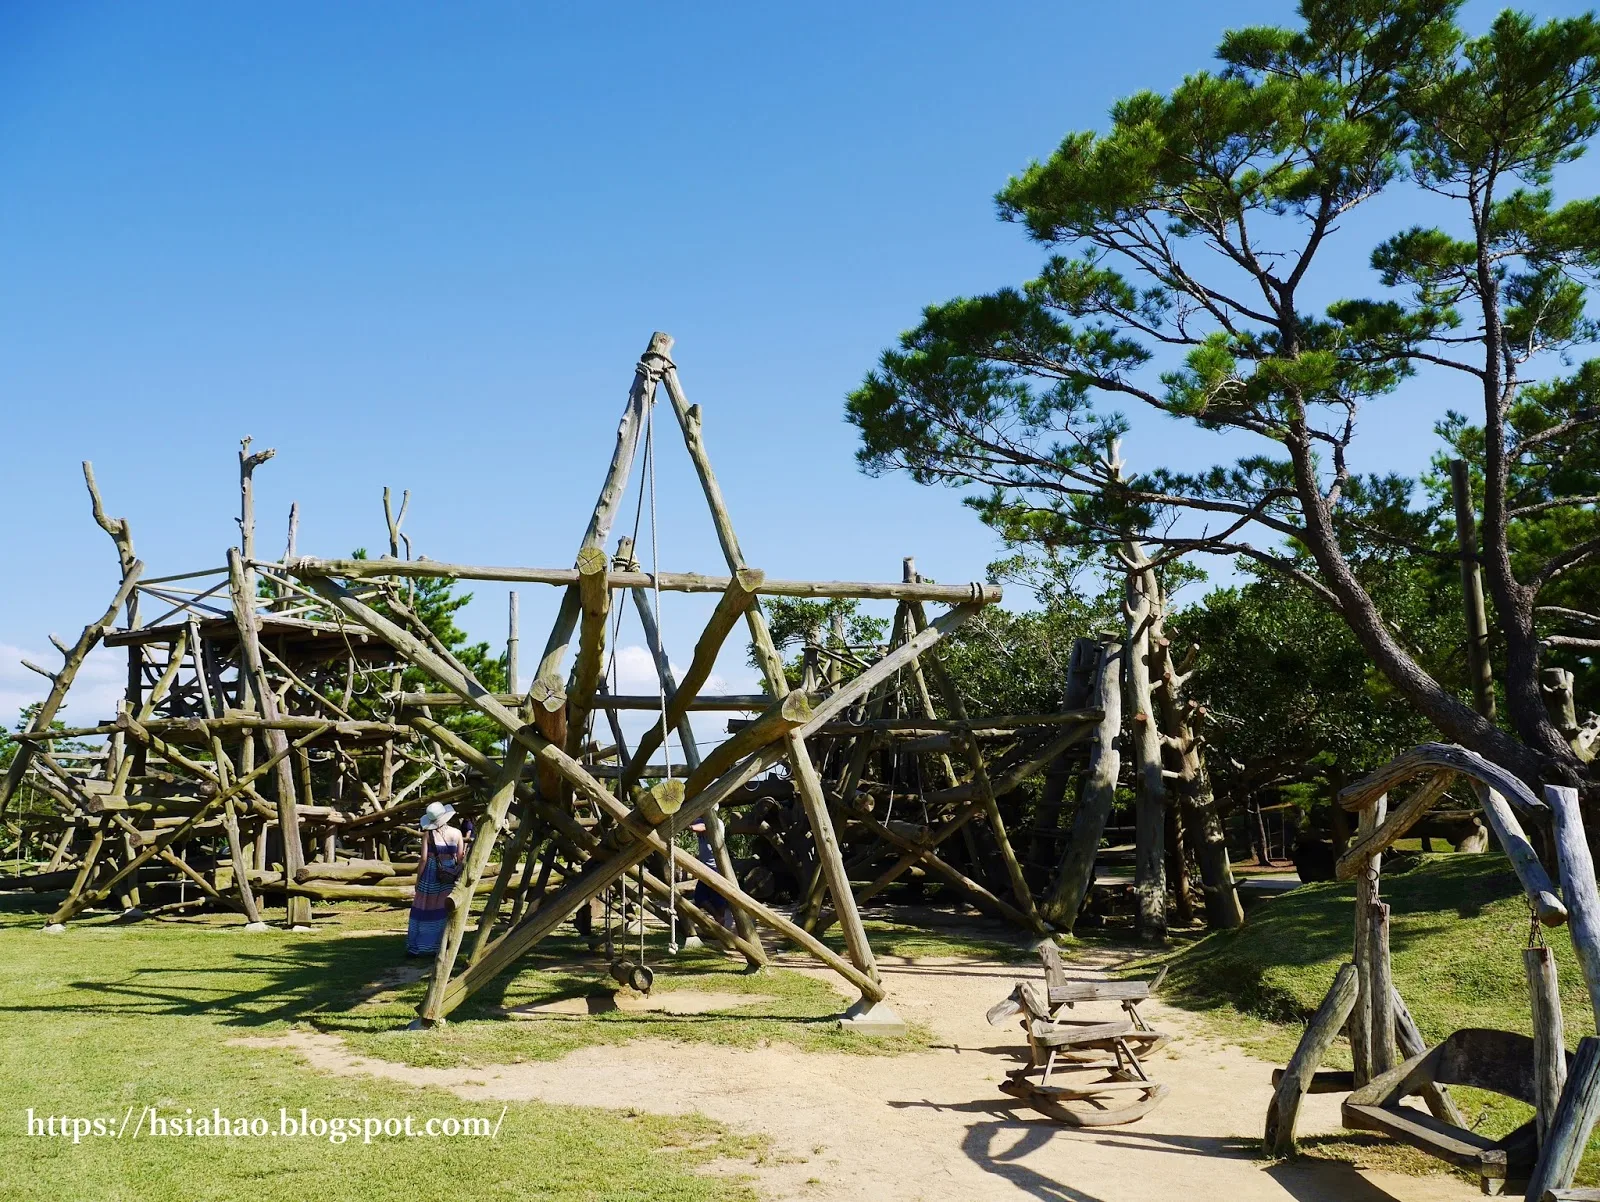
<point>1124,1095</point>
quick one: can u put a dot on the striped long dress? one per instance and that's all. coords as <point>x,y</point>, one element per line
<point>428,909</point>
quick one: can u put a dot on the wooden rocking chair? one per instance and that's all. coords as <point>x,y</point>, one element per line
<point>1077,1046</point>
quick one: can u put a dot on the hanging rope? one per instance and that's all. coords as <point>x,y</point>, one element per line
<point>661,684</point>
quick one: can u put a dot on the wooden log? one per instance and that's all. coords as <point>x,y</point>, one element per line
<point>981,593</point>
<point>1324,1028</point>
<point>1076,871</point>
<point>241,587</point>
<point>1381,974</point>
<point>513,639</point>
<point>1400,820</point>
<point>595,601</point>
<point>1570,1126</point>
<point>1578,884</point>
<point>729,702</point>
<point>61,681</point>
<point>1525,862</point>
<point>1549,1037</point>
<point>521,843</point>
<point>661,801</point>
<point>1360,1029</point>
<point>1409,1038</point>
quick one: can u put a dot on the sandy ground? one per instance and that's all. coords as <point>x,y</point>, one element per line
<point>933,1126</point>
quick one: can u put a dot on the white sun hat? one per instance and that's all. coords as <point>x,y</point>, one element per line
<point>437,814</point>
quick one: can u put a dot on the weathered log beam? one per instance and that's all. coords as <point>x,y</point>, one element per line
<point>981,593</point>
<point>1320,1032</point>
<point>1400,820</point>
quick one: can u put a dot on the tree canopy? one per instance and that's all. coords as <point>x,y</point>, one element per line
<point>1186,244</point>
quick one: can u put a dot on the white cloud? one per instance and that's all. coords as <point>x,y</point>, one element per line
<point>101,683</point>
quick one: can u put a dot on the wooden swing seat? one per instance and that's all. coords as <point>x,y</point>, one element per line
<point>1498,1061</point>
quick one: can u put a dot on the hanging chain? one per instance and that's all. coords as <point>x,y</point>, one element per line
<point>1535,927</point>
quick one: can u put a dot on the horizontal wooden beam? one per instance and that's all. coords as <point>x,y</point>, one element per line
<point>981,593</point>
<point>742,703</point>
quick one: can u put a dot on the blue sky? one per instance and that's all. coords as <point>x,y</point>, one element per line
<point>422,245</point>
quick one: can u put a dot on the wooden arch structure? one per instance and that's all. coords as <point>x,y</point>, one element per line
<point>1391,1061</point>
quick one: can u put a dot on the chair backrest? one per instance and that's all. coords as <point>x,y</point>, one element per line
<point>1055,973</point>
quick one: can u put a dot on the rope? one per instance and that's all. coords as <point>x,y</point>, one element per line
<point>661,684</point>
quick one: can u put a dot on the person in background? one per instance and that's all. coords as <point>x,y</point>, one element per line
<point>707,898</point>
<point>443,856</point>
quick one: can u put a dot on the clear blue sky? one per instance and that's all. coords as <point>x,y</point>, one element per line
<point>422,245</point>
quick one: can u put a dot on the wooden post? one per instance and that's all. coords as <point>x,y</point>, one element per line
<point>594,598</point>
<point>1381,974</point>
<point>298,909</point>
<point>1409,1038</point>
<point>1309,1054</point>
<point>1571,1124</point>
<point>1549,1037</point>
<point>1361,1033</point>
<point>1478,667</point>
<point>1076,874</point>
<point>512,638</point>
<point>1142,609</point>
<point>1577,884</point>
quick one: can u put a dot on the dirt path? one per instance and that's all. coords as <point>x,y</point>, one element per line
<point>933,1126</point>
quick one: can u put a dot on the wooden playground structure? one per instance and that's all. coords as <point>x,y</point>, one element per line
<point>286,720</point>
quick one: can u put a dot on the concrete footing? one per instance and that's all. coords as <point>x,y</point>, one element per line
<point>873,1018</point>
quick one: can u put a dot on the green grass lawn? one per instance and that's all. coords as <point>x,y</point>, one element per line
<point>1458,927</point>
<point>106,1017</point>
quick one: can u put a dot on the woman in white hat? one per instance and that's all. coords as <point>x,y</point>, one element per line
<point>443,855</point>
